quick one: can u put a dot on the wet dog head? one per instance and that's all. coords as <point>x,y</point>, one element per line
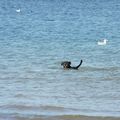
<point>66,64</point>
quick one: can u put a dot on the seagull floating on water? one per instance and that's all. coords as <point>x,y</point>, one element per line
<point>18,10</point>
<point>102,42</point>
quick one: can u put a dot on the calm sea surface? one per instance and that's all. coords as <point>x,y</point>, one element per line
<point>34,41</point>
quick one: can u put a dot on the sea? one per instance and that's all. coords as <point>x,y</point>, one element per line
<point>37,35</point>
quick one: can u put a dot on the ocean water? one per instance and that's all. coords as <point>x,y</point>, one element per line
<point>34,42</point>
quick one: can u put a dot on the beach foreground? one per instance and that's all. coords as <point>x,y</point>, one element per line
<point>64,117</point>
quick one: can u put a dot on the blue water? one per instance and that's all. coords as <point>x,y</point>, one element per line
<point>34,41</point>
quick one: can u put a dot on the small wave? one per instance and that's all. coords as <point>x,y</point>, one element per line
<point>52,107</point>
<point>88,68</point>
<point>25,111</point>
<point>20,96</point>
<point>49,20</point>
<point>27,107</point>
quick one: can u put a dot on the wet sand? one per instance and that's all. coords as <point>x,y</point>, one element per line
<point>64,117</point>
<point>83,118</point>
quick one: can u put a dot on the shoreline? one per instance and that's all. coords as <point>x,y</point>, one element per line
<point>59,117</point>
<point>82,117</point>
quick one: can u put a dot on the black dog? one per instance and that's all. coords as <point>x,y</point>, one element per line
<point>66,65</point>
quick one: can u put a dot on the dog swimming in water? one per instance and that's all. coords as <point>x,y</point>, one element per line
<point>67,65</point>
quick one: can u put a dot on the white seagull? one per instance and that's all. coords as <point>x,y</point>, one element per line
<point>18,10</point>
<point>102,42</point>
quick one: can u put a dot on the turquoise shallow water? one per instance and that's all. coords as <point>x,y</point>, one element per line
<point>34,41</point>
